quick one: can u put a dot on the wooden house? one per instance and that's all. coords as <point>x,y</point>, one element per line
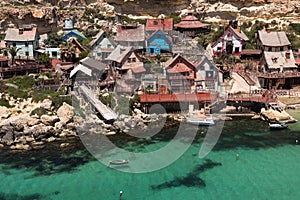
<point>131,35</point>
<point>272,41</point>
<point>165,25</point>
<point>158,42</point>
<point>231,42</point>
<point>181,74</point>
<point>208,76</point>
<point>25,38</point>
<point>101,46</point>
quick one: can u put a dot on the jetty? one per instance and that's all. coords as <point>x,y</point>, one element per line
<point>106,112</point>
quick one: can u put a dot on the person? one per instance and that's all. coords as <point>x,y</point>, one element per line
<point>121,192</point>
<point>296,141</point>
<point>237,156</point>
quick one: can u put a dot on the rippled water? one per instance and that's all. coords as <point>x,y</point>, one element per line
<point>267,168</point>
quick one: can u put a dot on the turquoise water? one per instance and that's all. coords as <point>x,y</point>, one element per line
<point>267,168</point>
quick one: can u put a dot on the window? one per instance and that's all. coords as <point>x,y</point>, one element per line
<point>219,49</point>
<point>26,44</point>
<point>237,49</point>
<point>14,44</point>
<point>281,48</point>
<point>270,48</point>
<point>26,53</point>
<point>54,54</point>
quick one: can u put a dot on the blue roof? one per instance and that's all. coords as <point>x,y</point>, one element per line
<point>73,33</point>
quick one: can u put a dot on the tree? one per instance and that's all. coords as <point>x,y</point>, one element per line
<point>67,52</point>
<point>44,59</point>
<point>13,52</point>
<point>53,40</point>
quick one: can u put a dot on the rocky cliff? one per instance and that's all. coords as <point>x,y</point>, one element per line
<point>48,14</point>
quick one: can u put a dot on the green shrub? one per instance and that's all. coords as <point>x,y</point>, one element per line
<point>38,111</point>
<point>4,102</point>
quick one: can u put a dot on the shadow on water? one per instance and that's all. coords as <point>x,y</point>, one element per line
<point>239,133</point>
<point>191,179</point>
<point>4,196</point>
<point>49,160</point>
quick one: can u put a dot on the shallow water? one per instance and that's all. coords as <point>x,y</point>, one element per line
<point>267,168</point>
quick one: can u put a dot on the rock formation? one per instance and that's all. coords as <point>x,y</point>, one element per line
<point>50,14</point>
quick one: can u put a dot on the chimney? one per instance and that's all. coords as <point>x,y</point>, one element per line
<point>239,28</point>
<point>268,30</point>
<point>287,55</point>
<point>107,30</point>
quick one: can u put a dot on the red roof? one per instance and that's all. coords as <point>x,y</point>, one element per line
<point>54,62</point>
<point>130,33</point>
<point>190,21</point>
<point>159,24</point>
<point>179,68</point>
<point>137,70</point>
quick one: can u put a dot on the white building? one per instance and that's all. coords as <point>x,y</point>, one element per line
<point>25,38</point>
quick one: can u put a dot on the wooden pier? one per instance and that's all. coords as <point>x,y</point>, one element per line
<point>105,111</point>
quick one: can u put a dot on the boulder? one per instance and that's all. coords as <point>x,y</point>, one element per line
<point>32,121</point>
<point>47,103</point>
<point>8,138</point>
<point>65,113</point>
<point>63,145</point>
<point>20,147</point>
<point>49,120</point>
<point>4,112</point>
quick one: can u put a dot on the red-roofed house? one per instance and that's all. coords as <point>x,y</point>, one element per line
<point>165,25</point>
<point>181,74</point>
<point>231,42</point>
<point>191,26</point>
<point>131,35</point>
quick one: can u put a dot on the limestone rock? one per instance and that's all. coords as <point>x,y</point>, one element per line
<point>4,112</point>
<point>49,120</point>
<point>21,147</point>
<point>47,103</point>
<point>32,121</point>
<point>65,113</point>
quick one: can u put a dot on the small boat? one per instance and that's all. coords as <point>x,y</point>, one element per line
<point>118,162</point>
<point>278,126</point>
<point>201,122</point>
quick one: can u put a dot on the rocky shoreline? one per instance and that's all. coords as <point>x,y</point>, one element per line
<point>27,125</point>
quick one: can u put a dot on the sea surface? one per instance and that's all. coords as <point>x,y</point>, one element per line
<point>267,167</point>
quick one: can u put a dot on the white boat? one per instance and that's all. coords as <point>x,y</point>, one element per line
<point>278,126</point>
<point>203,121</point>
<point>199,119</point>
<point>118,162</point>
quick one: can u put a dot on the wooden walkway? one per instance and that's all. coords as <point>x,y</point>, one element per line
<point>105,111</point>
<point>204,97</point>
<point>152,98</point>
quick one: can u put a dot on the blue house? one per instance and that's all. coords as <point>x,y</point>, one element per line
<point>157,42</point>
<point>73,34</point>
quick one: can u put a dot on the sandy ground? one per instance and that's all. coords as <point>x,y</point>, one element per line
<point>289,100</point>
<point>240,85</point>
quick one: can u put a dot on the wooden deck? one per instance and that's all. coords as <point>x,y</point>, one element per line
<point>279,75</point>
<point>204,97</point>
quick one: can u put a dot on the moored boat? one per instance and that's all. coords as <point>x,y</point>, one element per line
<point>278,126</point>
<point>118,162</point>
<point>201,121</point>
